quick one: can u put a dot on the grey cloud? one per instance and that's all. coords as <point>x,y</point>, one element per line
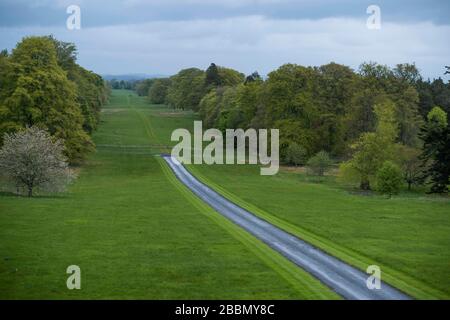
<point>250,43</point>
<point>117,12</point>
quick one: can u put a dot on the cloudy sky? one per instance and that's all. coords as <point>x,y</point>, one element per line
<point>164,36</point>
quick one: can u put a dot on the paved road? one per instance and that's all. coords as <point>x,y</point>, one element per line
<point>344,279</point>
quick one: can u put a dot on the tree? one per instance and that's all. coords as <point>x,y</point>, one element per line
<point>31,160</point>
<point>209,107</point>
<point>436,150</point>
<point>157,93</point>
<point>317,100</point>
<point>367,158</point>
<point>290,105</point>
<point>229,115</point>
<point>389,178</point>
<point>66,53</point>
<point>410,164</point>
<point>251,103</point>
<point>375,71</point>
<point>114,84</point>
<point>407,72</point>
<point>334,89</point>
<point>296,154</point>
<point>92,93</point>
<point>6,86</point>
<point>407,115</point>
<point>402,90</point>
<point>253,77</point>
<point>319,163</point>
<point>186,89</point>
<point>230,77</point>
<point>142,87</point>
<point>212,77</point>
<point>361,117</point>
<point>38,92</point>
<point>219,108</point>
<point>216,76</point>
<point>91,90</point>
<point>441,95</point>
<point>398,85</point>
<point>433,93</point>
<point>373,148</point>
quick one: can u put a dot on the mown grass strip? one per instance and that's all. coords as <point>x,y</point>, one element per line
<point>145,121</point>
<point>297,277</point>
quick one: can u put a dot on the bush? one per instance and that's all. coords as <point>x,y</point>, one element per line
<point>319,163</point>
<point>296,154</point>
<point>30,159</point>
<point>389,179</point>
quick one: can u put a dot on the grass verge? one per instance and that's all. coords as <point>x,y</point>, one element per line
<point>400,280</point>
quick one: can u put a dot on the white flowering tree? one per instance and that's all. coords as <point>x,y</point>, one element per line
<point>31,160</point>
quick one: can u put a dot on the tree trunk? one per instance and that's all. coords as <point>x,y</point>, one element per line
<point>30,191</point>
<point>365,184</point>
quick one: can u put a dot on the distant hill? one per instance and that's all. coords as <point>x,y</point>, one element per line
<point>132,76</point>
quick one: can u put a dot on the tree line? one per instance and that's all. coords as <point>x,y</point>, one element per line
<point>367,119</point>
<point>122,84</point>
<point>42,85</point>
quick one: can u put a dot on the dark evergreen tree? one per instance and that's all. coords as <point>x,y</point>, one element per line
<point>212,77</point>
<point>253,77</point>
<point>436,150</point>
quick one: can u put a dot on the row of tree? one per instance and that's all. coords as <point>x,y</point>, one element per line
<point>42,85</point>
<point>186,89</point>
<point>362,118</point>
<point>122,84</point>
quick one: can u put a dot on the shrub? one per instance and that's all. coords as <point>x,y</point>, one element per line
<point>296,154</point>
<point>319,163</point>
<point>389,178</point>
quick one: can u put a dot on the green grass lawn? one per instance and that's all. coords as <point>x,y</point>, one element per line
<point>408,236</point>
<point>134,230</point>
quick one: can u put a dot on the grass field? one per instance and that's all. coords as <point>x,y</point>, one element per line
<point>134,230</point>
<point>408,236</point>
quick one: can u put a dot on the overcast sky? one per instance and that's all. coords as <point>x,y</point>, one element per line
<point>164,36</point>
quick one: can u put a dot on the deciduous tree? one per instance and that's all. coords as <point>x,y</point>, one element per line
<point>158,91</point>
<point>30,159</point>
<point>373,148</point>
<point>39,93</point>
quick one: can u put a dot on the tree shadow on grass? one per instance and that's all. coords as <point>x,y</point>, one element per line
<point>37,196</point>
<point>7,194</point>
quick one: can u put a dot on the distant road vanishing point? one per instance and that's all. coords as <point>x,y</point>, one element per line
<point>344,279</point>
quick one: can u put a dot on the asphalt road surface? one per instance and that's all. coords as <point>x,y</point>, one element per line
<point>344,279</point>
